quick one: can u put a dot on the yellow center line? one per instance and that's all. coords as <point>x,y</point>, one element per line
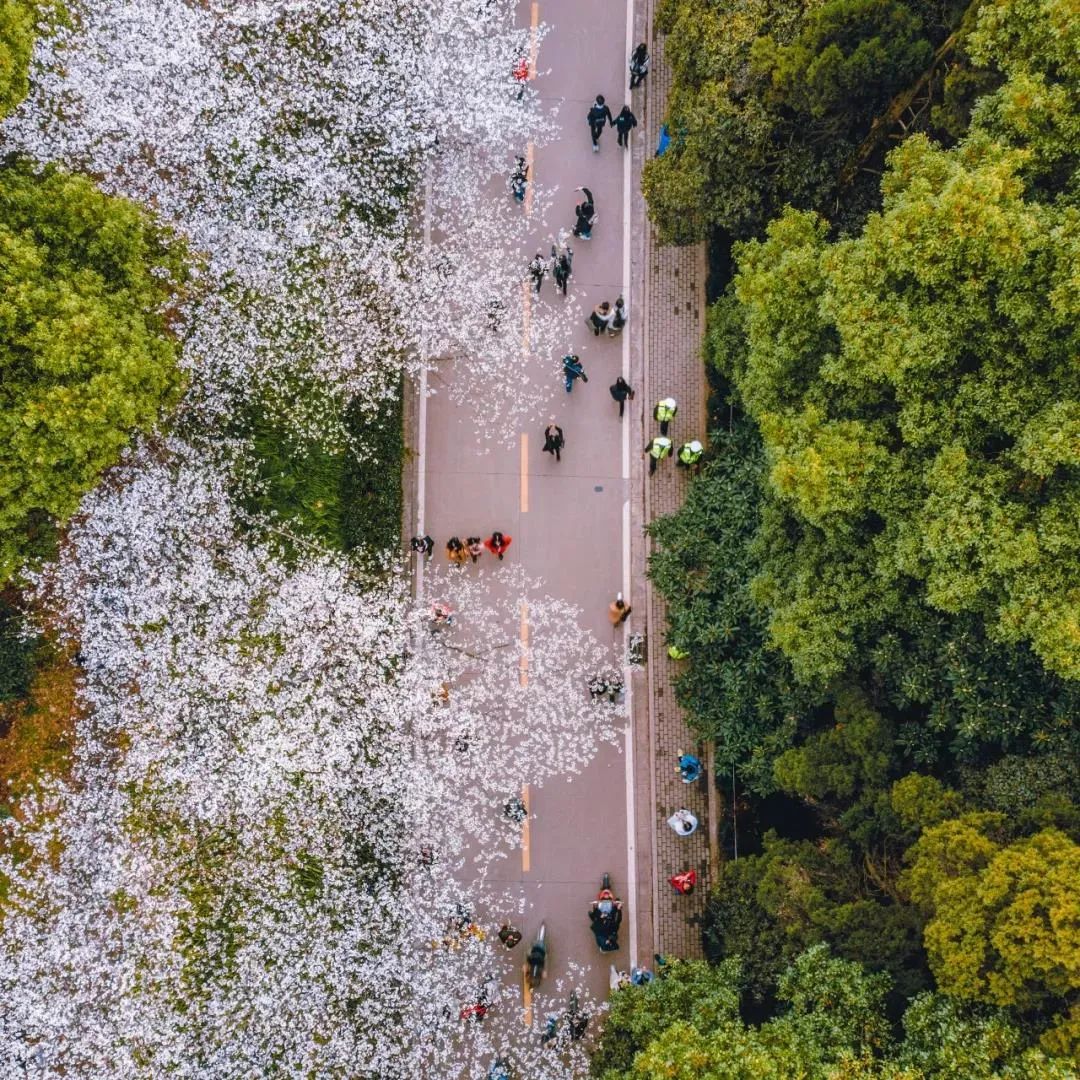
<point>524,474</point>
<point>530,153</point>
<point>526,835</point>
<point>533,43</point>
<point>526,996</point>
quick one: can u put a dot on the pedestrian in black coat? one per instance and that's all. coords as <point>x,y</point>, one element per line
<point>625,122</point>
<point>538,271</point>
<point>598,114</point>
<point>639,65</point>
<point>586,215</point>
<point>620,391</point>
<point>554,441</point>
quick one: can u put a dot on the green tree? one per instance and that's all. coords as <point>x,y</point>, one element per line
<point>769,99</point>
<point>737,688</point>
<point>86,358</point>
<point>1004,918</point>
<point>18,22</point>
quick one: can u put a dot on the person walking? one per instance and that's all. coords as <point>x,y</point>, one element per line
<point>659,447</point>
<point>475,547</point>
<point>600,319</point>
<point>422,544</point>
<point>689,454</point>
<point>497,544</point>
<point>538,269</point>
<point>572,369</point>
<point>618,318</point>
<point>639,65</point>
<point>620,390</point>
<point>625,122</point>
<point>562,261</point>
<point>553,440</point>
<point>586,215</point>
<point>519,179</point>
<point>456,551</point>
<point>618,610</point>
<point>598,114</point>
<point>664,413</point>
<point>520,72</point>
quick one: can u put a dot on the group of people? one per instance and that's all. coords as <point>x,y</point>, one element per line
<point>459,551</point>
<point>560,266</point>
<point>661,446</point>
<point>605,317</point>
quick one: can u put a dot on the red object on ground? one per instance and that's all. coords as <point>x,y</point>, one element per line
<point>684,883</point>
<point>474,1012</point>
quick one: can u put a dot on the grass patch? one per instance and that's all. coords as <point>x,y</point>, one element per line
<point>347,498</point>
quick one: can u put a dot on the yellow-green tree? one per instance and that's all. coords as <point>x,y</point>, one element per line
<point>1004,918</point>
<point>86,359</point>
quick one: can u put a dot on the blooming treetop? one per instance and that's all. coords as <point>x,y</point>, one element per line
<point>261,834</point>
<point>290,141</point>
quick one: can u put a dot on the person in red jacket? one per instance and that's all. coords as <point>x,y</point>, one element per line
<point>521,73</point>
<point>497,544</point>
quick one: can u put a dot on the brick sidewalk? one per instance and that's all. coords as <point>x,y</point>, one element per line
<point>674,304</point>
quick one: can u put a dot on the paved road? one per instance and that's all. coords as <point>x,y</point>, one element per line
<point>570,530</point>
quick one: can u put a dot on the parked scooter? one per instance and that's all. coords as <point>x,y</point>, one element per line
<point>605,916</point>
<point>538,957</point>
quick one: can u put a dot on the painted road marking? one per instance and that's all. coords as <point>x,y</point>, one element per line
<point>534,23</point>
<point>526,996</point>
<point>523,663</point>
<point>524,473</point>
<point>530,153</point>
<point>628,756</point>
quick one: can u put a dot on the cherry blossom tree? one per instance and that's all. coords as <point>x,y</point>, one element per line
<point>263,834</point>
<point>297,145</point>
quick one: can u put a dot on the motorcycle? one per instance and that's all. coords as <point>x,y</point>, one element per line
<point>537,957</point>
<point>605,916</point>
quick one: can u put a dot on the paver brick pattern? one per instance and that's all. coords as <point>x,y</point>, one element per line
<point>674,328</point>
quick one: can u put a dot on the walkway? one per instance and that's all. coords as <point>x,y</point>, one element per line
<point>674,295</point>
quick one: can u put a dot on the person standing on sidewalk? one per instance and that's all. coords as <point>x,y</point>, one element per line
<point>519,179</point>
<point>659,447</point>
<point>538,269</point>
<point>456,551</point>
<point>553,440</point>
<point>598,114</point>
<point>475,547</point>
<point>639,65</point>
<point>664,413</point>
<point>586,215</point>
<point>689,454</point>
<point>572,369</point>
<point>625,122</point>
<point>422,545</point>
<point>521,72</point>
<point>621,390</point>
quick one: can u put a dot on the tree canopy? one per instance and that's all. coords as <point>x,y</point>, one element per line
<point>85,352</point>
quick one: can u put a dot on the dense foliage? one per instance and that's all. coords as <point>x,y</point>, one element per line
<point>832,1026</point>
<point>85,355</point>
<point>877,577</point>
<point>769,99</point>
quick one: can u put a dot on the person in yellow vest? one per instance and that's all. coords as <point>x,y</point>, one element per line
<point>689,454</point>
<point>664,413</point>
<point>659,448</point>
